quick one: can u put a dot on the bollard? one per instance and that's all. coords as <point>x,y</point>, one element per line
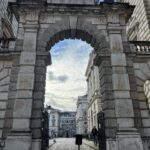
<point>78,140</point>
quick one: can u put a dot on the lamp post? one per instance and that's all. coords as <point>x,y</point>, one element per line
<point>2,144</point>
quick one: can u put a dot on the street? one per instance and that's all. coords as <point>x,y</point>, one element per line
<point>67,144</point>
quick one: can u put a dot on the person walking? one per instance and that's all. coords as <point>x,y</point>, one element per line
<point>94,134</point>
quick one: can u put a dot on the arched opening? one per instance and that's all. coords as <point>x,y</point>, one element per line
<point>65,81</point>
<point>76,56</point>
<point>66,75</point>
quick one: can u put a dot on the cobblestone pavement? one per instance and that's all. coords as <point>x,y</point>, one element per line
<point>67,144</point>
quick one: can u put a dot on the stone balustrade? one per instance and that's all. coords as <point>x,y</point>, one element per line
<point>5,45</point>
<point>141,46</point>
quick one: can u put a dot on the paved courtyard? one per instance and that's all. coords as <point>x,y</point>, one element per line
<point>67,144</point>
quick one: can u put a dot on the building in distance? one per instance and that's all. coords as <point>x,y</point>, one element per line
<point>61,124</point>
<point>93,93</point>
<point>81,115</point>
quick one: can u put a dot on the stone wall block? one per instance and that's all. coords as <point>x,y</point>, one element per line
<point>144,114</point>
<point>3,73</point>
<point>36,133</point>
<point>110,123</point>
<point>110,113</point>
<point>22,108</point>
<point>25,81</point>
<point>2,114</point>
<point>12,93</point>
<point>4,96</point>
<point>110,132</point>
<point>145,69</point>
<point>120,82</point>
<point>141,96</point>
<point>26,69</point>
<point>2,105</point>
<point>21,124</point>
<point>5,81</point>
<point>40,70</point>
<point>108,105</point>
<point>143,105</point>
<point>38,104</point>
<point>140,82</point>
<point>139,74</point>
<point>4,88</point>
<point>132,140</point>
<point>118,60</point>
<point>29,44</point>
<point>37,113</point>
<point>1,124</point>
<point>125,123</point>
<point>118,70</point>
<point>38,95</point>
<point>1,132</point>
<point>146,122</point>
<point>116,43</point>
<point>124,108</point>
<point>28,58</point>
<point>36,123</point>
<point>24,94</point>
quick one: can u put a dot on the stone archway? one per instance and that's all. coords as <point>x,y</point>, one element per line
<point>41,25</point>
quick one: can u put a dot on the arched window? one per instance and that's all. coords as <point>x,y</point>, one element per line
<point>147,91</point>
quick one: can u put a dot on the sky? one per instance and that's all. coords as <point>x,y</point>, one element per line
<point>65,78</point>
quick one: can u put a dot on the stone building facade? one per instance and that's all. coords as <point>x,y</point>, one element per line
<point>61,124</point>
<point>67,124</point>
<point>8,25</point>
<point>54,115</point>
<point>81,115</point>
<point>139,23</point>
<point>8,31</point>
<point>94,96</point>
<point>123,70</point>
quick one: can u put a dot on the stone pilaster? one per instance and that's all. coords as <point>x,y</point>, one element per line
<point>38,99</point>
<point>126,131</point>
<point>20,136</point>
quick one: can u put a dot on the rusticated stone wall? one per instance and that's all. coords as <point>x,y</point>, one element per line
<point>5,73</point>
<point>41,25</point>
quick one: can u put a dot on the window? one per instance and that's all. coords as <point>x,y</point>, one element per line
<point>147,91</point>
<point>53,122</point>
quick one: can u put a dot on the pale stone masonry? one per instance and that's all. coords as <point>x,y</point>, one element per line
<point>81,115</point>
<point>61,124</point>
<point>8,22</point>
<point>67,126</point>
<point>139,23</point>
<point>54,119</point>
<point>123,69</point>
<point>94,96</point>
<point>8,30</point>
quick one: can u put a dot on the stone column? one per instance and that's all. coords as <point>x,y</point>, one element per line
<point>127,136</point>
<point>20,136</point>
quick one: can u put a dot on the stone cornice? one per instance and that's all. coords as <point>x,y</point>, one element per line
<point>103,8</point>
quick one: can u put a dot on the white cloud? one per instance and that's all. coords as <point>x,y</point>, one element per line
<point>69,61</point>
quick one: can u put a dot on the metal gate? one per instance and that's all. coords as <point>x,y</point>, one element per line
<point>101,131</point>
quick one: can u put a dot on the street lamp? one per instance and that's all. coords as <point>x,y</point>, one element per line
<point>2,144</point>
